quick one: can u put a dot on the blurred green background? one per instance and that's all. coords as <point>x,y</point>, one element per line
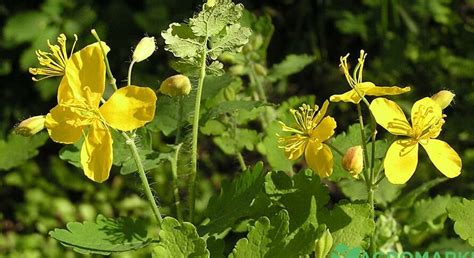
<point>425,44</point>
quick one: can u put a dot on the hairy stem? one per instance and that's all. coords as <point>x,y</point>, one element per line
<point>174,170</point>
<point>197,107</point>
<point>364,146</point>
<point>112,80</point>
<point>141,173</point>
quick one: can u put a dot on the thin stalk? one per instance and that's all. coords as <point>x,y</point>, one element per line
<point>106,60</point>
<point>334,148</point>
<point>197,107</point>
<point>174,170</point>
<point>241,161</point>
<point>141,173</point>
<point>364,145</point>
<point>260,95</point>
<point>179,120</point>
<point>129,77</point>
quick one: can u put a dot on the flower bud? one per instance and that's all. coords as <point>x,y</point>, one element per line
<point>353,161</point>
<point>144,49</point>
<point>443,98</point>
<point>324,244</point>
<point>30,126</point>
<point>260,70</point>
<point>237,70</point>
<point>176,85</point>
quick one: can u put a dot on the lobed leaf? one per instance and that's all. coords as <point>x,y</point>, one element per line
<point>212,19</point>
<point>104,236</point>
<point>231,38</point>
<point>291,65</point>
<point>462,213</point>
<point>17,149</point>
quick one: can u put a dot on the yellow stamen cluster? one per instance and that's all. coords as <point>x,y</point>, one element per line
<point>358,70</point>
<point>54,62</point>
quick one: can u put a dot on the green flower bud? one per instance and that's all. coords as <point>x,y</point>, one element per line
<point>227,57</point>
<point>443,98</point>
<point>257,41</point>
<point>324,244</point>
<point>237,70</point>
<point>176,85</point>
<point>144,49</point>
<point>30,126</point>
<point>260,69</point>
<point>229,93</point>
<point>353,161</point>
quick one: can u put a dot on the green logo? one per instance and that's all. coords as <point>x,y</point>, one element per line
<point>343,251</point>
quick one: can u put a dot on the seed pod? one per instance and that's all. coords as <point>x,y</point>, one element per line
<point>353,161</point>
<point>144,49</point>
<point>176,85</point>
<point>30,126</point>
<point>443,98</point>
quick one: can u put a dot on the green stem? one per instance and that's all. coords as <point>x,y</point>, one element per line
<point>129,77</point>
<point>261,95</point>
<point>334,148</point>
<point>197,107</point>
<point>241,161</point>
<point>364,145</point>
<point>107,65</point>
<point>179,120</point>
<point>141,173</point>
<point>174,170</point>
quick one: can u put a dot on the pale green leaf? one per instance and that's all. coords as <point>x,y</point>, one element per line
<point>17,149</point>
<point>291,65</point>
<point>104,236</point>
<point>231,38</point>
<point>179,240</point>
<point>408,199</point>
<point>462,213</point>
<point>25,26</point>
<point>180,41</point>
<point>212,19</point>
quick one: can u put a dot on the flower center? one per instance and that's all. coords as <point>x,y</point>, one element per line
<point>426,124</point>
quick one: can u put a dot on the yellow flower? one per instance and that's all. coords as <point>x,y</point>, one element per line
<point>311,131</point>
<point>54,62</point>
<point>426,122</point>
<point>78,112</point>
<point>364,88</point>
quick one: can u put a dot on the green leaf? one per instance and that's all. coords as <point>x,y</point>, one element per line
<point>430,211</point>
<point>17,149</point>
<point>384,194</point>
<point>104,236</point>
<point>229,107</point>
<point>234,200</point>
<point>342,142</point>
<point>180,41</point>
<point>212,19</point>
<point>179,240</point>
<point>272,238</point>
<point>166,114</point>
<point>244,138</point>
<point>303,195</point>
<point>231,38</point>
<point>462,213</point>
<point>25,26</point>
<point>349,223</point>
<point>408,199</point>
<point>291,65</point>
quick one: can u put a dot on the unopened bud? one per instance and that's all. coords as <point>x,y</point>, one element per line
<point>324,244</point>
<point>176,85</point>
<point>260,70</point>
<point>257,41</point>
<point>144,49</point>
<point>237,70</point>
<point>229,93</point>
<point>353,161</point>
<point>443,98</point>
<point>228,57</point>
<point>30,126</point>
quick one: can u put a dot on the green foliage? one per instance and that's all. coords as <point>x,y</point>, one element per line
<point>17,149</point>
<point>180,240</point>
<point>103,236</point>
<point>462,212</point>
<point>408,199</point>
<point>272,238</point>
<point>291,65</point>
<point>235,201</point>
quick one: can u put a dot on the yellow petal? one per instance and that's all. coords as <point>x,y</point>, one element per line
<point>386,90</point>
<point>350,96</point>
<point>321,113</point>
<point>425,113</point>
<point>443,157</point>
<point>324,130</point>
<point>293,146</point>
<point>129,108</point>
<point>96,153</point>
<point>401,160</point>
<point>390,116</point>
<point>63,124</point>
<point>319,158</point>
<point>85,76</point>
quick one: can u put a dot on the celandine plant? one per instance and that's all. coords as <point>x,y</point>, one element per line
<point>268,209</point>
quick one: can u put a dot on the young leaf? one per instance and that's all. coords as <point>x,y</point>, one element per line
<point>213,19</point>
<point>179,240</point>
<point>234,35</point>
<point>349,223</point>
<point>234,200</point>
<point>104,236</point>
<point>18,149</point>
<point>180,41</point>
<point>291,65</point>
<point>272,238</point>
<point>462,212</point>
